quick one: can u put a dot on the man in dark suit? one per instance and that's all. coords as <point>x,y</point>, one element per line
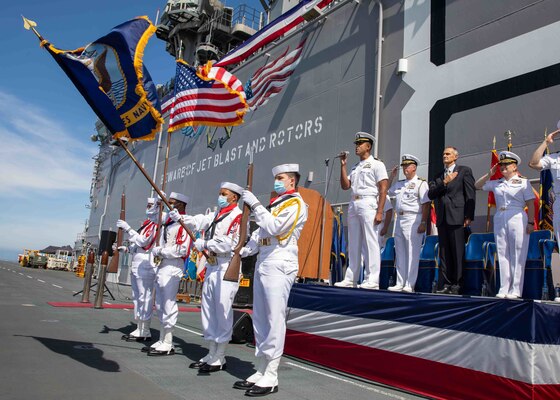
<point>453,193</point>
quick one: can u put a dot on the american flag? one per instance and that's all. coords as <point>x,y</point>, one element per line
<point>280,26</point>
<point>211,97</point>
<point>269,80</point>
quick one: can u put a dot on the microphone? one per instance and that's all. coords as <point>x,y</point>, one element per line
<point>343,153</point>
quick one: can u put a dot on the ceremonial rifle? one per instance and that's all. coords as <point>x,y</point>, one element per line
<point>234,267</point>
<point>114,264</point>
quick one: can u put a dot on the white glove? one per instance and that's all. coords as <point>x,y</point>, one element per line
<point>174,215</point>
<point>200,244</point>
<point>156,251</point>
<point>114,247</point>
<point>124,249</point>
<point>244,252</point>
<point>123,224</point>
<point>249,198</point>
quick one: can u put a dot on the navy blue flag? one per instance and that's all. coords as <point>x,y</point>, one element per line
<point>338,250</point>
<point>110,75</point>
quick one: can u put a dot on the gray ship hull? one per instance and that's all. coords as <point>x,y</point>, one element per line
<point>475,70</point>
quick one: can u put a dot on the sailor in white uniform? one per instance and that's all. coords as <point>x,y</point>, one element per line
<point>511,225</point>
<point>173,250</point>
<point>412,207</point>
<point>368,180</point>
<point>142,270</point>
<point>221,236</point>
<point>280,226</point>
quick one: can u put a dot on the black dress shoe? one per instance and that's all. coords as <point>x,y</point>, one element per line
<point>207,368</point>
<point>138,339</point>
<point>145,349</point>
<point>243,385</point>
<point>446,290</point>
<point>197,365</point>
<point>257,391</point>
<point>455,289</point>
<point>154,352</point>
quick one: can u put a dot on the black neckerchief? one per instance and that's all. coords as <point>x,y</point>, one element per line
<point>217,219</point>
<point>280,201</point>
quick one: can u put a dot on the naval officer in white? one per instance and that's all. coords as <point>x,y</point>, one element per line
<point>368,180</point>
<point>412,207</point>
<point>142,270</point>
<point>511,225</point>
<point>174,248</point>
<point>280,226</point>
<point>221,236</point>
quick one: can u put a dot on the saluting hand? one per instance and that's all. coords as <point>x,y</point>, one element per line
<point>550,136</point>
<point>394,171</point>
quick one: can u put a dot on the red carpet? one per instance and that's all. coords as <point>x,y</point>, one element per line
<point>105,305</point>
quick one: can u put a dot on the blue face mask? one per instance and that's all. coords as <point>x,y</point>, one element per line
<point>279,187</point>
<point>222,201</point>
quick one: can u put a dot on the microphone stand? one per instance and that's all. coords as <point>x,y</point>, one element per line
<point>323,219</point>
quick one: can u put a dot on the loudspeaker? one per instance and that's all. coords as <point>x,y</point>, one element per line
<point>106,242</point>
<point>242,328</point>
<point>244,296</point>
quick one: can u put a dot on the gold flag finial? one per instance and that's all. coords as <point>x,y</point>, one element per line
<point>30,25</point>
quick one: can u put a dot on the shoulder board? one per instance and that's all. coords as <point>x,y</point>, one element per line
<point>522,177</point>
<point>422,179</point>
<point>402,180</point>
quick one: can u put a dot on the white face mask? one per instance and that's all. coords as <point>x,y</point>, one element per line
<point>152,211</point>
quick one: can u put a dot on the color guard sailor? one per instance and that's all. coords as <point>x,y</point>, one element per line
<point>280,226</point>
<point>412,207</point>
<point>142,270</point>
<point>368,180</point>
<point>173,250</point>
<point>221,236</point>
<point>511,225</point>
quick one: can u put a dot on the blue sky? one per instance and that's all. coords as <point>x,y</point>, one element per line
<point>45,125</point>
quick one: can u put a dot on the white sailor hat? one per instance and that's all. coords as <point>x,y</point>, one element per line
<point>361,137</point>
<point>280,169</point>
<point>507,157</point>
<point>151,200</point>
<point>407,159</point>
<point>231,186</point>
<point>178,196</point>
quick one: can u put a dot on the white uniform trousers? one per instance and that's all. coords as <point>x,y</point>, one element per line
<point>168,278</point>
<point>142,281</point>
<point>271,288</point>
<point>363,235</point>
<point>217,302</point>
<point>512,244</point>
<point>408,243</point>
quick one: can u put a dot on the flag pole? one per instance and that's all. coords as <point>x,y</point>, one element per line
<point>156,188</point>
<point>488,203</point>
<point>165,166</point>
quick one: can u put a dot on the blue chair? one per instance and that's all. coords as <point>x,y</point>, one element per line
<point>474,263</point>
<point>491,270</point>
<point>538,282</point>
<point>388,272</point>
<point>548,247</point>
<point>427,265</point>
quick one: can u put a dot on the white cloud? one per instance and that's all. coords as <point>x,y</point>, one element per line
<point>38,153</point>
